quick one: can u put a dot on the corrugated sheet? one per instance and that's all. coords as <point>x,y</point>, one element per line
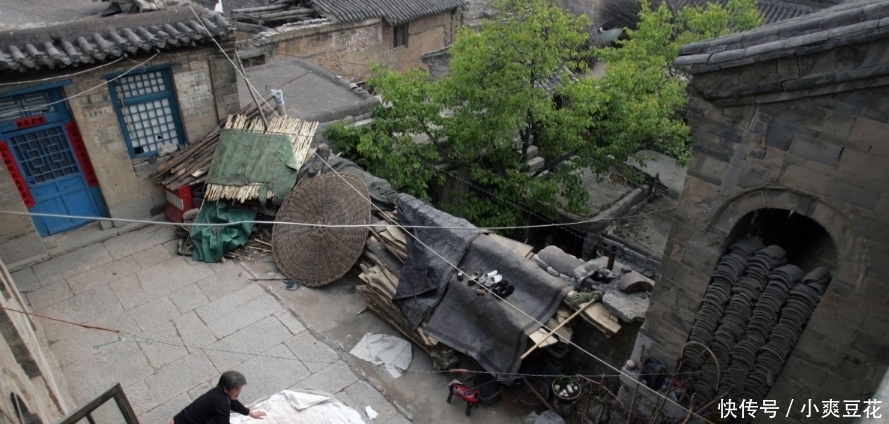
<point>395,12</point>
<point>97,40</point>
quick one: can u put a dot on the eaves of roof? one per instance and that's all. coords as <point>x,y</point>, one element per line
<point>395,12</point>
<point>848,23</point>
<point>96,40</point>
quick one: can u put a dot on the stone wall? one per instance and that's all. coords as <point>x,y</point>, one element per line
<point>349,49</point>
<point>808,135</point>
<point>207,92</point>
<point>30,371</point>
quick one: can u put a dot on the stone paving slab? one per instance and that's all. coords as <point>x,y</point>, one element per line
<point>103,274</point>
<point>138,285</point>
<point>229,278</point>
<point>188,298</point>
<point>252,340</point>
<point>165,412</point>
<point>238,310</point>
<point>332,379</point>
<point>360,394</point>
<point>25,280</point>
<point>270,373</point>
<point>118,362</point>
<point>171,275</point>
<point>71,264</point>
<point>289,320</point>
<point>140,397</point>
<point>49,295</point>
<point>194,333</point>
<point>137,241</point>
<point>180,376</point>
<point>88,307</point>
<point>166,346</point>
<point>152,256</point>
<point>154,313</point>
<point>315,354</point>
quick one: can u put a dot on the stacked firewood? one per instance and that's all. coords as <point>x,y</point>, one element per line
<point>381,264</point>
<point>190,165</point>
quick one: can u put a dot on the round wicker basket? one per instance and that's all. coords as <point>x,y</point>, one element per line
<point>315,255</point>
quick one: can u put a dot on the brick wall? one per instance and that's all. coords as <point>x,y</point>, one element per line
<point>349,49</point>
<point>808,134</point>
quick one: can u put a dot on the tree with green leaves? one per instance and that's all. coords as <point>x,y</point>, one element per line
<point>521,81</point>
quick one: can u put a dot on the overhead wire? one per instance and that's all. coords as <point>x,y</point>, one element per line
<point>141,64</point>
<point>237,69</point>
<point>519,310</point>
<point>309,224</point>
<point>65,75</point>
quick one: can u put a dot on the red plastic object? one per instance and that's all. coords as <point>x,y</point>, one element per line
<point>469,395</point>
<point>178,202</point>
<point>13,169</point>
<point>82,156</point>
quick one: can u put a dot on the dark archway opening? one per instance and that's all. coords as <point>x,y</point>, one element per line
<point>807,243</point>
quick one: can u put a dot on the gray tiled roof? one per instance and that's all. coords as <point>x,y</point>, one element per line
<point>847,23</point>
<point>105,38</point>
<point>395,12</point>
<point>771,10</point>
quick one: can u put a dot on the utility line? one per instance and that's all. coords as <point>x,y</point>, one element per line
<point>64,76</point>
<point>16,112</point>
<point>491,291</point>
<point>308,224</point>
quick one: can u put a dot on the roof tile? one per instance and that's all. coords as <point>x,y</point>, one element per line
<point>76,42</point>
<point>395,12</point>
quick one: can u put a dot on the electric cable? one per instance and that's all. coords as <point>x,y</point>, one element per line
<point>16,112</point>
<point>66,75</point>
<point>491,291</point>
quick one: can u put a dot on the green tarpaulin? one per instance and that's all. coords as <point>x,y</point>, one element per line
<point>211,242</point>
<point>244,157</point>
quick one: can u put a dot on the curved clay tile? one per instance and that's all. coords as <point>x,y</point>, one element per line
<point>174,33</point>
<point>89,50</point>
<point>37,55</point>
<point>199,29</point>
<point>115,37</point>
<point>185,29</point>
<point>135,40</point>
<point>54,53</point>
<point>20,57</point>
<point>149,38</point>
<point>214,30</point>
<point>104,45</point>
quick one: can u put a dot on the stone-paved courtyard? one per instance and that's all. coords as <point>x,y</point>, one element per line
<point>182,324</point>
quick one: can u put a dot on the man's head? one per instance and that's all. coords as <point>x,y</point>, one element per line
<point>231,383</point>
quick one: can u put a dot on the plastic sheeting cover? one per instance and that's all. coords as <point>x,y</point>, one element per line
<point>210,243</point>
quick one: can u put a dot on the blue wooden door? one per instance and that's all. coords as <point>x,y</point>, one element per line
<point>52,173</point>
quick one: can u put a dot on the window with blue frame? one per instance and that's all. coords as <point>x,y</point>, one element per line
<point>146,106</point>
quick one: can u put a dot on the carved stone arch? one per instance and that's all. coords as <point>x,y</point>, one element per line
<point>851,263</point>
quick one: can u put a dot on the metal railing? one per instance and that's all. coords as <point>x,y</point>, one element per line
<point>86,411</point>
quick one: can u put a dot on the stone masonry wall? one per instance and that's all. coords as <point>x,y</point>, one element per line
<point>349,49</point>
<point>791,134</point>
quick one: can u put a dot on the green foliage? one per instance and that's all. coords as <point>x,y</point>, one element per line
<point>521,81</point>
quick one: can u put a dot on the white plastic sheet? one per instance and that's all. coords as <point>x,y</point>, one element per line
<point>301,407</point>
<point>393,352</point>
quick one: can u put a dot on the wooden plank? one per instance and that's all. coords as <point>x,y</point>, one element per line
<point>600,318</point>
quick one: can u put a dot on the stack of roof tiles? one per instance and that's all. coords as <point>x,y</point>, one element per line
<point>755,309</point>
<point>76,43</point>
